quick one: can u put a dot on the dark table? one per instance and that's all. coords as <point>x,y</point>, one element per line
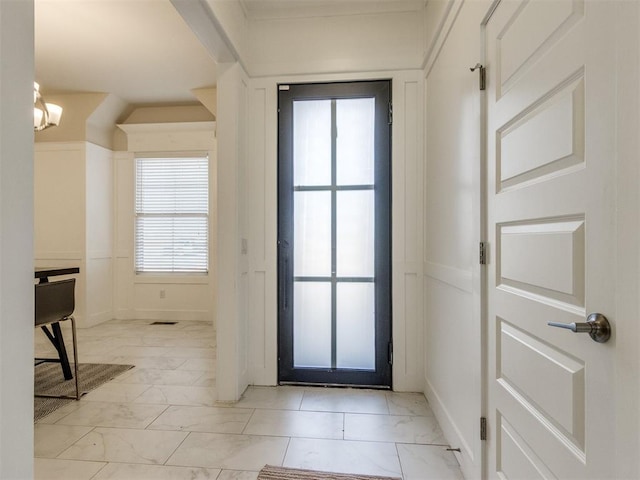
<point>55,335</point>
<point>43,273</point>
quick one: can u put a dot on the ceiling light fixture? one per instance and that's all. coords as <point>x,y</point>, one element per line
<point>45,115</point>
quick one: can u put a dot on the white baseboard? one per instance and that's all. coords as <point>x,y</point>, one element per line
<point>451,432</point>
<point>172,315</point>
<point>99,317</point>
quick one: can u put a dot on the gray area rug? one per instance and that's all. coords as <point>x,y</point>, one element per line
<point>49,381</point>
<point>269,472</point>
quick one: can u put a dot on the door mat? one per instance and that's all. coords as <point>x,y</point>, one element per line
<point>270,472</point>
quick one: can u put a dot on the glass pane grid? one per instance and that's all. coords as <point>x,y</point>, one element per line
<point>334,234</point>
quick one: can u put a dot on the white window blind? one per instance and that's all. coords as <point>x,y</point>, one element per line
<point>172,215</point>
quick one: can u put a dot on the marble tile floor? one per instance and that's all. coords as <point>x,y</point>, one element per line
<point>161,420</point>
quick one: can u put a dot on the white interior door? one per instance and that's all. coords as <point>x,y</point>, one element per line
<point>550,193</point>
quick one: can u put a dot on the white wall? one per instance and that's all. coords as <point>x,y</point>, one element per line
<point>231,15</point>
<point>59,196</point>
<point>232,317</point>
<point>262,233</point>
<point>357,43</point>
<point>160,297</point>
<point>435,13</point>
<point>407,222</point>
<point>16,240</point>
<point>452,318</point>
<point>99,234</point>
<point>73,221</point>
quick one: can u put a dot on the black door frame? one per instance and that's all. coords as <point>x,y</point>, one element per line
<point>288,93</point>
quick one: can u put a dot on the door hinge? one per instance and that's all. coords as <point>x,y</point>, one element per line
<point>483,253</point>
<point>390,353</point>
<point>483,428</point>
<point>482,79</point>
<point>390,113</point>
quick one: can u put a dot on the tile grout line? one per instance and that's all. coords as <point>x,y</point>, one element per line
<point>286,451</point>
<point>166,407</point>
<point>57,457</point>
<point>399,460</point>
<point>248,421</point>
<point>98,472</point>
<point>176,449</point>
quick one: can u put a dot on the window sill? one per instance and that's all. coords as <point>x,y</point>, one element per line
<point>174,278</point>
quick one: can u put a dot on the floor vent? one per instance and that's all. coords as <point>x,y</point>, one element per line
<point>163,323</point>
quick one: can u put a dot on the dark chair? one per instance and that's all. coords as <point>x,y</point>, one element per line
<point>55,303</point>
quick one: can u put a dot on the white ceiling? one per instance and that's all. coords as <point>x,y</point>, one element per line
<point>140,50</point>
<point>143,51</point>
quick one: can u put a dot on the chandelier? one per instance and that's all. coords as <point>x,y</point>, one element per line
<point>45,115</point>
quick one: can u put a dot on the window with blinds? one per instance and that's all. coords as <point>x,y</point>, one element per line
<point>172,215</point>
